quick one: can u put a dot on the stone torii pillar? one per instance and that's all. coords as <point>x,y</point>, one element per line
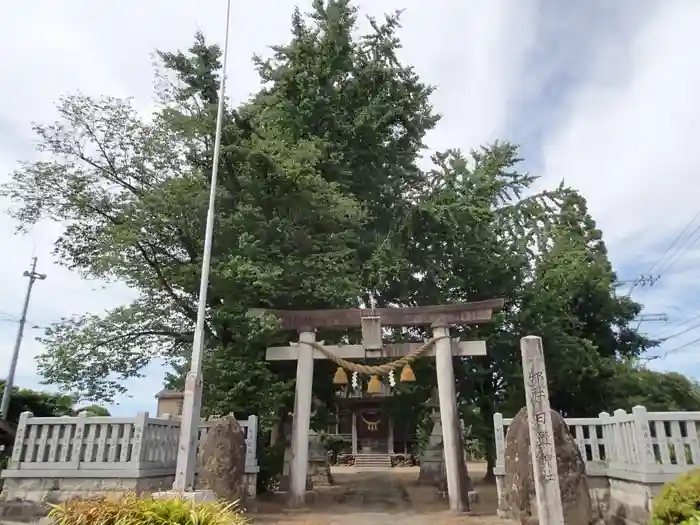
<point>448,416</point>
<point>440,317</point>
<point>302,417</point>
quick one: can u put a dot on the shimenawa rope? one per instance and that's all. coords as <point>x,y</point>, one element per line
<point>381,369</point>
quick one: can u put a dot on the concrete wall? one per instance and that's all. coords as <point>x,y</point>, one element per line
<point>169,405</point>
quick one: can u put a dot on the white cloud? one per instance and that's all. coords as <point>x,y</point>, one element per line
<point>627,136</point>
<point>627,139</point>
<point>463,48</point>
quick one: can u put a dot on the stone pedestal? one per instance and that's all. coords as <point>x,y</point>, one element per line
<point>319,465</point>
<point>196,496</point>
<point>432,465</point>
<point>318,472</point>
<point>286,472</point>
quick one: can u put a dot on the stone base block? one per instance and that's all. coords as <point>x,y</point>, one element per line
<point>45,489</point>
<point>22,511</point>
<point>57,490</point>
<point>197,496</point>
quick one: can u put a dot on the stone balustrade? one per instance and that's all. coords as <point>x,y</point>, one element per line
<point>79,456</point>
<point>628,456</point>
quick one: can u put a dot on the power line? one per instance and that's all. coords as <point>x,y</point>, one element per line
<point>676,349</point>
<point>681,251</point>
<point>673,243</point>
<point>669,258</point>
<point>684,322</point>
<point>674,335</point>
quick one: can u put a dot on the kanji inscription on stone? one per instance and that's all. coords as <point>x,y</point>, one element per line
<point>544,458</point>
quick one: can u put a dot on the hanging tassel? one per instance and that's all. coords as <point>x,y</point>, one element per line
<point>374,386</point>
<point>407,375</point>
<point>341,377</point>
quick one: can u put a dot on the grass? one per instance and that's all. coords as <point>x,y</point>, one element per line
<point>131,509</point>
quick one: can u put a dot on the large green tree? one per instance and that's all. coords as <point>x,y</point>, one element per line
<point>135,196</point>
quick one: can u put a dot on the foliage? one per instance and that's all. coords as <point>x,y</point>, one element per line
<point>677,503</point>
<point>270,461</point>
<point>41,404</point>
<point>132,509</point>
<point>93,411</point>
<point>332,443</point>
<point>633,384</point>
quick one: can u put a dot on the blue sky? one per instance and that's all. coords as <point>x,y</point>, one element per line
<point>600,94</point>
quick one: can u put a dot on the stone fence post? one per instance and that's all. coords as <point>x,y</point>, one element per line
<point>16,457</point>
<point>643,437</point>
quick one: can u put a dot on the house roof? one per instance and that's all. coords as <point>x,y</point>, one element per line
<point>169,394</point>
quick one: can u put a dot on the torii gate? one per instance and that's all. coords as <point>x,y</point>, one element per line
<point>439,318</point>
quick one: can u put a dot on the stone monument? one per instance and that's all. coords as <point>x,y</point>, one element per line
<point>222,460</point>
<point>520,482</point>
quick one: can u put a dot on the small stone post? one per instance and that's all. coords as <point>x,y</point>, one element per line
<point>544,457</point>
<point>500,446</point>
<point>644,444</point>
<point>18,448</point>
<point>354,433</point>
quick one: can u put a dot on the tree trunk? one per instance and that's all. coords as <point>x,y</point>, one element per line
<point>490,477</point>
<point>276,430</point>
<point>486,408</point>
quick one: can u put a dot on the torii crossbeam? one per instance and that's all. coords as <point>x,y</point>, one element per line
<point>438,317</point>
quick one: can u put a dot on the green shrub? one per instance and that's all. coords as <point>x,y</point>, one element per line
<point>271,463</point>
<point>130,510</point>
<point>678,503</point>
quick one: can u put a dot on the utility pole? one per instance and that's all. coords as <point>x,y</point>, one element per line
<point>646,318</point>
<point>641,281</point>
<point>651,318</point>
<point>7,393</point>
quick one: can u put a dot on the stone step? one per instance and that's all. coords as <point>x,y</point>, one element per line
<point>372,461</point>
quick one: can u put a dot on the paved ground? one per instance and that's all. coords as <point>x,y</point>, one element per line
<point>380,498</point>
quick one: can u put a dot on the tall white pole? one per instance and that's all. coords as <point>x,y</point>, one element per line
<point>9,383</point>
<point>192,403</point>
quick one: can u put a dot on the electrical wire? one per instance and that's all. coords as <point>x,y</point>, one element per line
<point>674,350</point>
<point>673,243</point>
<point>674,335</point>
<point>669,258</point>
<point>676,324</point>
<point>681,251</point>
